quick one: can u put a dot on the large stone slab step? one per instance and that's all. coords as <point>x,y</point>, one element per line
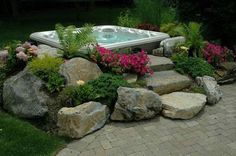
<point>181,105</point>
<point>165,82</point>
<point>160,63</point>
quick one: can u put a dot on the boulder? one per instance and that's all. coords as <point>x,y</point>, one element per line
<point>230,67</point>
<point>22,95</point>
<point>211,88</point>
<point>165,82</point>
<point>130,78</point>
<point>49,51</point>
<point>226,73</point>
<point>181,105</point>
<point>79,69</point>
<point>136,104</point>
<point>158,52</point>
<point>81,120</point>
<point>160,63</point>
<point>169,44</point>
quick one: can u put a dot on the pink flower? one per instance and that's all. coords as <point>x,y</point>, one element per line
<point>26,45</point>
<point>137,63</point>
<point>215,54</point>
<point>18,49</point>
<point>33,50</point>
<point>22,56</point>
<point>3,55</point>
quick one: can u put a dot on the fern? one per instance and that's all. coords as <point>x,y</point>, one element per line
<point>73,39</point>
<point>192,33</point>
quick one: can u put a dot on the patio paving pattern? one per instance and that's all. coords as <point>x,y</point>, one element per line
<point>211,133</point>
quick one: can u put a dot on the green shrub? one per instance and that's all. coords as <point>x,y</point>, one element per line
<point>106,86</point>
<point>55,82</point>
<point>42,67</point>
<point>194,40</point>
<point>76,95</point>
<point>154,12</point>
<point>3,75</point>
<point>103,89</point>
<point>72,39</point>
<point>170,28</point>
<point>197,89</point>
<point>193,66</point>
<point>12,64</point>
<point>126,20</point>
<point>47,69</point>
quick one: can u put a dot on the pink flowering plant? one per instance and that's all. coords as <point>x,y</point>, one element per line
<point>121,63</point>
<point>23,52</point>
<point>216,54</point>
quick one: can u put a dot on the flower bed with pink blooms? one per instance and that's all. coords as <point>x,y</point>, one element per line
<point>122,63</point>
<point>216,54</point>
<point>22,52</point>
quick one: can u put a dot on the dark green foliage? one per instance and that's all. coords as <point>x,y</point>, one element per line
<point>170,28</point>
<point>217,15</point>
<point>11,60</point>
<point>106,86</point>
<point>193,66</point>
<point>101,90</point>
<point>154,12</point>
<point>197,89</point>
<point>67,96</point>
<point>3,76</point>
<point>13,64</point>
<point>76,95</point>
<point>19,138</point>
<point>194,40</point>
<point>47,69</point>
<point>55,82</point>
<point>126,20</point>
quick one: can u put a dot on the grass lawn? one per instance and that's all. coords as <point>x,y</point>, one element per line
<point>19,138</point>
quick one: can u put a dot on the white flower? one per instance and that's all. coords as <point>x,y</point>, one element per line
<point>80,82</point>
<point>184,48</point>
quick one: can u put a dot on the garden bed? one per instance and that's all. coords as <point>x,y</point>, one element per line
<point>74,93</point>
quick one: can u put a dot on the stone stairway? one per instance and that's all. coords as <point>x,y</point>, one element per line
<point>165,80</point>
<point>160,63</point>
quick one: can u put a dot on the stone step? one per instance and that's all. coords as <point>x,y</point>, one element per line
<point>160,63</point>
<point>181,105</point>
<point>165,82</point>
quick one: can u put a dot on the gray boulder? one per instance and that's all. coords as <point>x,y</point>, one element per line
<point>169,43</point>
<point>79,69</point>
<point>22,95</point>
<point>211,87</point>
<point>181,105</point>
<point>47,50</point>
<point>81,120</point>
<point>136,104</point>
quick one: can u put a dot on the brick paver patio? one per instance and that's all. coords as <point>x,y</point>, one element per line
<point>211,133</point>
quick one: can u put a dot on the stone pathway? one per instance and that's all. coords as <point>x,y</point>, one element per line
<point>211,133</point>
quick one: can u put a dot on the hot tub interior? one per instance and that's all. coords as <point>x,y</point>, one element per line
<point>111,37</point>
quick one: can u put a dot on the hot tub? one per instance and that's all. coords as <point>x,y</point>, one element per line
<point>111,37</point>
